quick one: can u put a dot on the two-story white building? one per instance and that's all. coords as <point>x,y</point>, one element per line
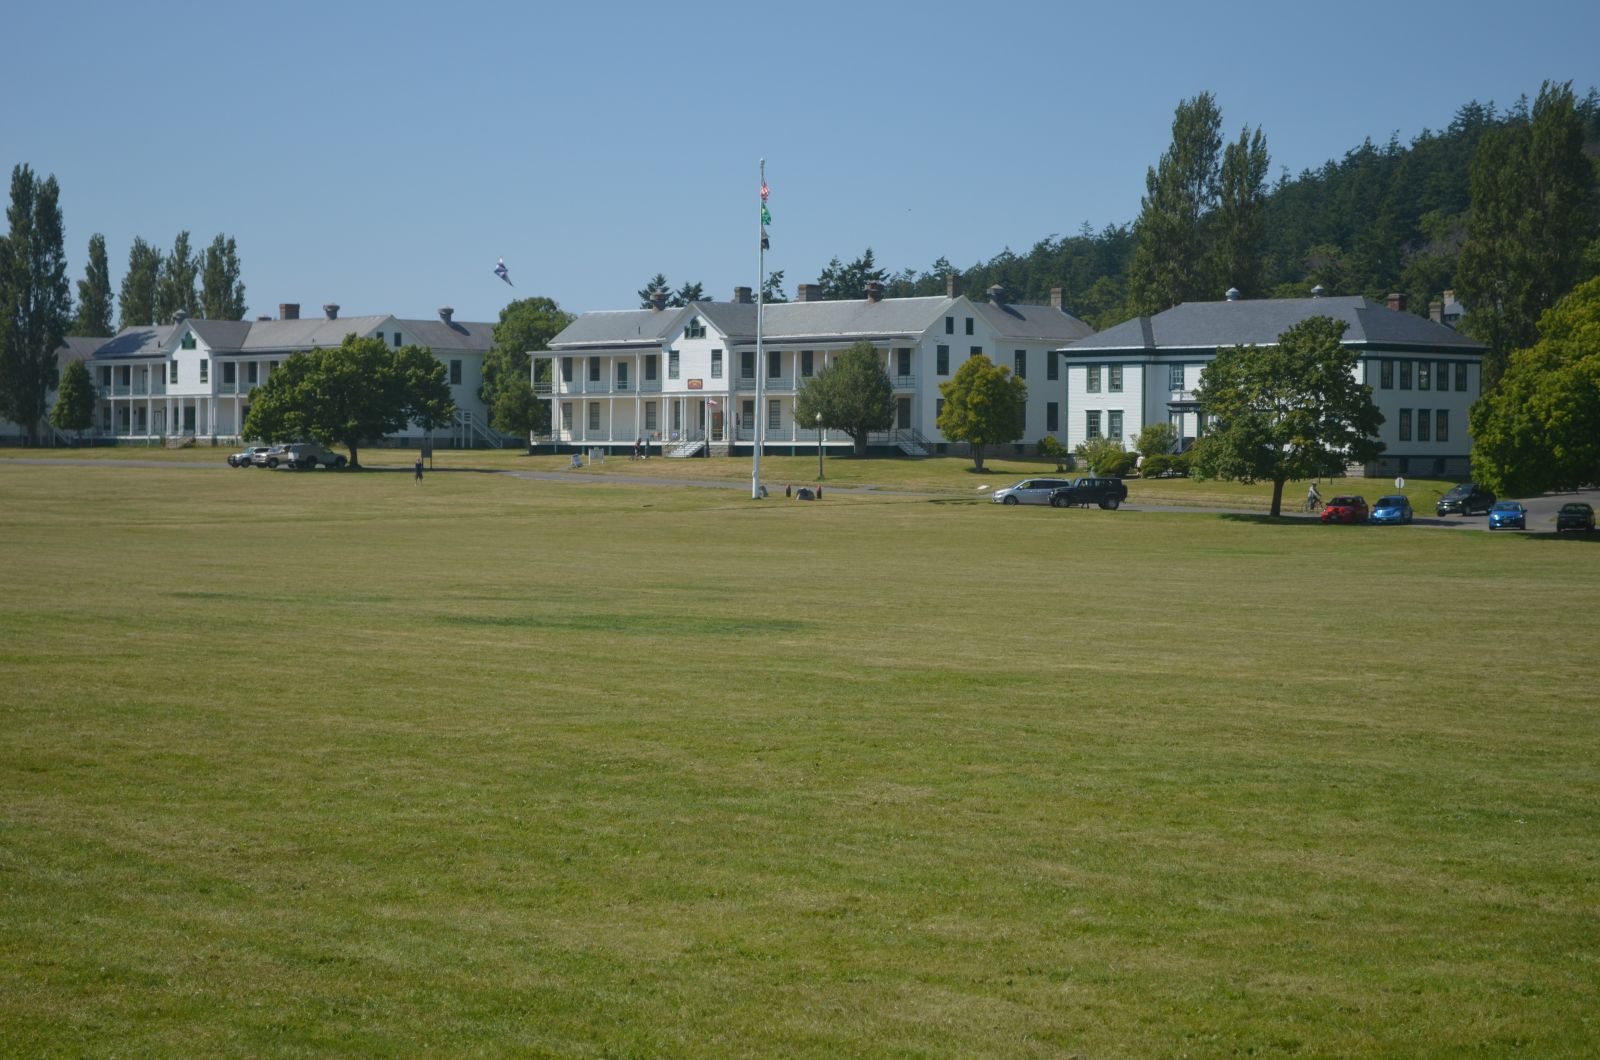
<point>1424,376</point>
<point>193,378</point>
<point>686,378</point>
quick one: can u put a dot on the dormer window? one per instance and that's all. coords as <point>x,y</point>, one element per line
<point>188,340</point>
<point>695,329</point>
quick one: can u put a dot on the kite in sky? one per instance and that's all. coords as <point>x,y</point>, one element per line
<point>500,271</point>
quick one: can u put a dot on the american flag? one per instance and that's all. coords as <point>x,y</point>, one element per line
<point>500,271</point>
<point>764,191</point>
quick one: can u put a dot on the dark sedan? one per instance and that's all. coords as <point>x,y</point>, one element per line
<point>1465,499</point>
<point>1575,516</point>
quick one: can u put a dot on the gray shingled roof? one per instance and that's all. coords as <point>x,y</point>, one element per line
<point>222,336</point>
<point>1036,322</point>
<point>619,327</point>
<point>462,335</point>
<point>79,347</point>
<point>1212,325</point>
<point>293,335</point>
<point>136,342</point>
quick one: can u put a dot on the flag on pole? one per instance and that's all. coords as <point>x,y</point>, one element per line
<point>766,244</point>
<point>500,271</point>
<point>766,214</point>
<point>763,191</point>
<point>713,403</point>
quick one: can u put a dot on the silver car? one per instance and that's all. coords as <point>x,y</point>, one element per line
<point>1030,491</point>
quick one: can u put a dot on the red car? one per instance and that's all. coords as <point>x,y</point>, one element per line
<point>1345,510</point>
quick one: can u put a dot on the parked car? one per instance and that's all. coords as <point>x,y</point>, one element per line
<point>1575,516</point>
<point>1395,508</point>
<point>246,457</point>
<point>1105,491</point>
<point>1347,508</point>
<point>1508,515</point>
<point>1465,499</point>
<point>307,455</point>
<point>272,456</point>
<point>1030,491</point>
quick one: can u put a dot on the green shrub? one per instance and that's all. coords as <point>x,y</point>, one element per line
<point>1156,466</point>
<point>1105,456</point>
<point>1051,449</point>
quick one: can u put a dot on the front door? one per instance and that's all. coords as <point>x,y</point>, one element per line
<point>903,413</point>
<point>716,423</point>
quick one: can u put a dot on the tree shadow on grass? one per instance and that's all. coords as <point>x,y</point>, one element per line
<point>1565,537</point>
<point>1270,520</point>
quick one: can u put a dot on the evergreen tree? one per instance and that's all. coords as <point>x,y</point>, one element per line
<point>1242,187</point>
<point>75,399</point>
<point>689,292</point>
<point>843,282</point>
<point>36,297</point>
<point>221,291</point>
<point>1169,256</point>
<point>1532,219</point>
<point>136,305</point>
<point>175,289</point>
<point>772,289</point>
<point>94,292</point>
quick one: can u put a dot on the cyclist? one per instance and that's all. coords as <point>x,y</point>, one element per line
<point>1313,498</point>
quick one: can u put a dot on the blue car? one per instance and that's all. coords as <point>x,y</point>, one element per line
<point>1508,515</point>
<point>1392,509</point>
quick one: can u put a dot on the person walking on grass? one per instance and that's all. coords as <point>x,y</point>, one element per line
<point>419,471</point>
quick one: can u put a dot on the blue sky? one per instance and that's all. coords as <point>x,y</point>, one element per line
<point>382,156</point>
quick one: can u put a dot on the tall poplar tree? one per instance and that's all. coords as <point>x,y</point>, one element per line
<point>35,295</point>
<point>1242,191</point>
<point>221,290</point>
<point>1532,217</point>
<point>94,292</point>
<point>1169,254</point>
<point>175,288</point>
<point>136,305</point>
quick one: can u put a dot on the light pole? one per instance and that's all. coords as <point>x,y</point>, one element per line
<point>819,446</point>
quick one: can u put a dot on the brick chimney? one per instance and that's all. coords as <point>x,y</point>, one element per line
<point>1436,311</point>
<point>331,311</point>
<point>179,317</point>
<point>1058,298</point>
<point>808,292</point>
<point>741,295</point>
<point>950,285</point>
<point>1397,302</point>
<point>261,318</point>
<point>874,291</point>
<point>288,310</point>
<point>997,294</point>
<point>445,313</point>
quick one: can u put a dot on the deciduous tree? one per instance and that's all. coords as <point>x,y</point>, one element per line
<point>1289,411</point>
<point>1156,439</point>
<point>983,406</point>
<point>221,290</point>
<point>136,305</point>
<point>36,297</point>
<point>852,393</point>
<point>352,394</point>
<point>1540,428</point>
<point>75,399</point>
<point>525,324</point>
<point>94,292</point>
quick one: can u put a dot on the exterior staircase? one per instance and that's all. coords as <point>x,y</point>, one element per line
<point>690,448</point>
<point>911,443</point>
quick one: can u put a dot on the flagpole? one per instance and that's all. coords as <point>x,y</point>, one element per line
<point>761,366</point>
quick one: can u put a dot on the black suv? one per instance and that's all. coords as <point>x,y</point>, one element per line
<point>1106,492</point>
<point>1465,499</point>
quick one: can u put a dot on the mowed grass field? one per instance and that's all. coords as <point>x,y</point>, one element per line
<point>334,763</point>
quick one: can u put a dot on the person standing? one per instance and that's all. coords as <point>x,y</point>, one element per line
<point>418,478</point>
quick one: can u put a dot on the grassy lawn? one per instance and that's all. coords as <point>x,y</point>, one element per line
<point>950,475</point>
<point>338,764</point>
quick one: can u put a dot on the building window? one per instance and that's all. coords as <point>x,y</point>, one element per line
<point>1175,377</point>
<point>455,373</point>
<point>774,414</point>
<point>205,370</point>
<point>938,408</point>
<point>774,364</point>
<point>969,325</point>
<point>1093,382</point>
<point>1114,383</point>
<point>677,417</point>
<point>594,369</point>
<point>1405,421</point>
<point>397,340</point>
<point>380,336</point>
<point>188,340</point>
<point>1441,431</point>
<point>650,416</point>
<point>1021,359</point>
<point>1461,375</point>
<point>1052,370</point>
<point>1386,374</point>
<point>594,415</point>
<point>1114,425</point>
<point>747,414</point>
<point>1423,422</point>
<point>902,362</point>
<point>650,368</point>
<point>807,363</point>
<point>716,364</point>
<point>230,373</point>
<point>1052,417</point>
<point>949,325</point>
<point>672,364</point>
<point>695,329</point>
<point>974,351</point>
<point>172,373</point>
<point>622,375</point>
<point>1405,375</point>
<point>1422,375</point>
<point>1091,424</point>
<point>566,416</point>
<point>942,360</point>
<point>566,369</point>
<point>250,372</point>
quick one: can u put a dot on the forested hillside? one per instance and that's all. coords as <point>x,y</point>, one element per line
<point>1382,218</point>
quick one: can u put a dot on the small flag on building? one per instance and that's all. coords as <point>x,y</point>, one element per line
<point>713,403</point>
<point>500,271</point>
